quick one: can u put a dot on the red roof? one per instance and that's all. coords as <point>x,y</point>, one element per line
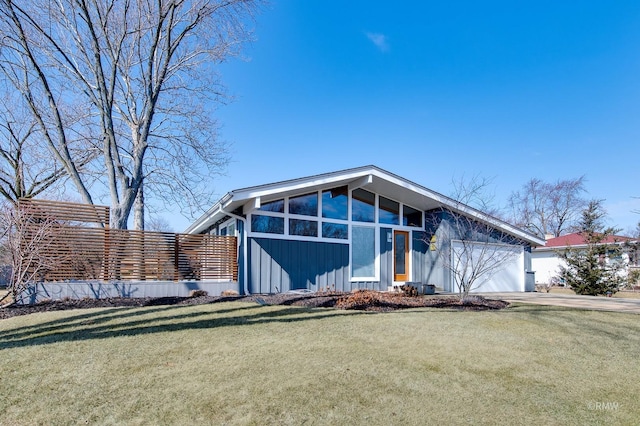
<point>577,239</point>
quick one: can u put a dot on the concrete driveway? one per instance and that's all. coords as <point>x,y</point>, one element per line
<point>572,301</point>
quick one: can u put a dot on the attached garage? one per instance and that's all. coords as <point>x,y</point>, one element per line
<point>498,267</point>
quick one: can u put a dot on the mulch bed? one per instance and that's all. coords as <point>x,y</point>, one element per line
<point>358,300</point>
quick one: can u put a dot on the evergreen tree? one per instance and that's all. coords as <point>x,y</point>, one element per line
<point>595,269</point>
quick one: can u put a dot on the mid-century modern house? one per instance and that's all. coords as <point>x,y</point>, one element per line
<point>355,228</point>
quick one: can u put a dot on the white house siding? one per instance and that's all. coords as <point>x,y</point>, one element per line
<point>546,265</point>
<point>508,275</point>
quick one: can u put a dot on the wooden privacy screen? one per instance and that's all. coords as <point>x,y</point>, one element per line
<point>65,213</point>
<point>81,252</point>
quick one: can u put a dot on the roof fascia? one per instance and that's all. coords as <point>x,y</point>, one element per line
<point>300,184</point>
<point>360,182</point>
<point>582,246</point>
<point>495,222</point>
<point>354,178</point>
<point>462,208</point>
<point>210,216</point>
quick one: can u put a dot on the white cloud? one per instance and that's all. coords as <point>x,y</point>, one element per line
<point>379,40</point>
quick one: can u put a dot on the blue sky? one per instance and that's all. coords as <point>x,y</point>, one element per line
<point>432,91</point>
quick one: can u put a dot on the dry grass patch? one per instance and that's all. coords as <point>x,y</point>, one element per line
<point>624,294</point>
<point>240,363</point>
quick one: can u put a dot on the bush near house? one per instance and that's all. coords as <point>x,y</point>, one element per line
<point>595,269</point>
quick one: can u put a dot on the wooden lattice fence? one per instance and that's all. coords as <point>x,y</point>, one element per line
<point>82,247</point>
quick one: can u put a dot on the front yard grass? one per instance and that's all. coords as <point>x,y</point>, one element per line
<point>240,363</point>
<point>624,294</point>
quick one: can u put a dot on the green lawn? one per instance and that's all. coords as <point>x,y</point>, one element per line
<point>238,363</point>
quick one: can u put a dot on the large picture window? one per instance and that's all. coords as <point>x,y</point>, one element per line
<point>335,203</point>
<point>267,224</point>
<point>363,252</point>
<point>389,211</point>
<point>304,204</point>
<point>363,206</point>
<point>306,228</point>
<point>411,216</point>
<point>273,206</point>
<point>336,215</point>
<point>335,230</point>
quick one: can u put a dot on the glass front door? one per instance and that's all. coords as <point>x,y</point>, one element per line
<point>400,256</point>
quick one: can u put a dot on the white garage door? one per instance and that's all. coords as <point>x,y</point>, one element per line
<point>502,265</point>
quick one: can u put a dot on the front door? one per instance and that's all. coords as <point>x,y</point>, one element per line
<point>400,256</point>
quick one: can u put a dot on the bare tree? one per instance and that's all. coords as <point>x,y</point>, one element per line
<point>476,191</point>
<point>469,245</point>
<point>25,171</point>
<point>130,78</point>
<point>27,245</point>
<point>548,208</point>
<point>159,224</point>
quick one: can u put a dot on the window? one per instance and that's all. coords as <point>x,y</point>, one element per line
<point>307,228</point>
<point>304,204</point>
<point>334,203</point>
<point>267,224</point>
<point>228,228</point>
<point>327,215</point>
<point>411,216</point>
<point>276,206</point>
<point>389,212</point>
<point>335,230</point>
<point>363,206</point>
<point>363,252</point>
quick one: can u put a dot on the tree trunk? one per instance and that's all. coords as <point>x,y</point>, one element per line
<point>138,213</point>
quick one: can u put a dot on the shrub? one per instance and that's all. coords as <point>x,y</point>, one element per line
<point>473,300</point>
<point>359,299</point>
<point>409,290</point>
<point>229,293</point>
<point>633,279</point>
<point>198,293</point>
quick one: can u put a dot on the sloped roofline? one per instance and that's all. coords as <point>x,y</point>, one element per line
<point>236,196</point>
<point>576,241</point>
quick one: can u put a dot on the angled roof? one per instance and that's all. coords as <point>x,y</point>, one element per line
<point>370,177</point>
<point>577,239</point>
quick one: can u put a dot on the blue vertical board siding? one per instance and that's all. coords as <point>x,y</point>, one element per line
<point>386,260</point>
<point>241,277</point>
<point>283,265</point>
<point>333,275</point>
<point>420,263</point>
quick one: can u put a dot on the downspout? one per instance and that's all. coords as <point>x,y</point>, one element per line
<point>244,247</point>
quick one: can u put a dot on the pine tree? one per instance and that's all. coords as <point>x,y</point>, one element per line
<point>595,269</point>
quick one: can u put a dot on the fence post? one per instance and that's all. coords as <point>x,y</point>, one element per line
<point>176,257</point>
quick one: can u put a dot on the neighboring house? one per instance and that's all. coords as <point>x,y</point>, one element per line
<point>546,262</point>
<point>356,228</point>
